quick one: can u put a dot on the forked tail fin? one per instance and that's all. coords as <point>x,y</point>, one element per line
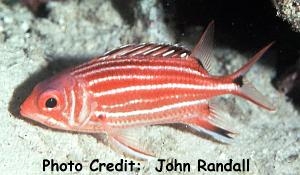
<point>247,90</point>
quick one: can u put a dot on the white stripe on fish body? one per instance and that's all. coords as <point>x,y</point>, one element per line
<point>143,101</point>
<point>78,71</point>
<point>84,114</point>
<point>71,120</point>
<point>176,114</point>
<point>229,87</point>
<point>65,113</point>
<point>93,82</point>
<point>121,77</point>
<point>150,111</point>
<point>96,64</point>
<point>139,67</point>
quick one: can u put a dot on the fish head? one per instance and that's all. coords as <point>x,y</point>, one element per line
<point>53,102</point>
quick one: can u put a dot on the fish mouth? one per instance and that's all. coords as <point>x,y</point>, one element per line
<point>26,111</point>
<point>44,120</point>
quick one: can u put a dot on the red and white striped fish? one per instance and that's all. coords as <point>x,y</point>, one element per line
<point>139,85</point>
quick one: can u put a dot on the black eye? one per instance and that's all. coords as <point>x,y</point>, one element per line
<point>51,103</point>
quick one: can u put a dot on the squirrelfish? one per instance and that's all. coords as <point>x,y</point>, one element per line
<point>140,85</point>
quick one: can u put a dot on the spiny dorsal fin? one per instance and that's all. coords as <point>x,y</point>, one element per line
<point>152,50</point>
<point>203,51</point>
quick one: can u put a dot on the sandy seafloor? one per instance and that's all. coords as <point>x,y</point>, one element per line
<point>77,30</point>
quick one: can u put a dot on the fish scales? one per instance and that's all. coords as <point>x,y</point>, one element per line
<point>172,112</point>
<point>133,76</point>
<point>141,85</point>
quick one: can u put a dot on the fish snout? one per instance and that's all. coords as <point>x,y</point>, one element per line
<point>23,110</point>
<point>27,107</point>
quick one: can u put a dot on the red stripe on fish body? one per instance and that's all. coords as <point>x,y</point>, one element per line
<point>141,89</point>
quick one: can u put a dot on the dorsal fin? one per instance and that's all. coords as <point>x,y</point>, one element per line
<point>203,51</point>
<point>152,50</point>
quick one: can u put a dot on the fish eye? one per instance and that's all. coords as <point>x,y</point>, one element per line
<point>50,100</point>
<point>51,103</point>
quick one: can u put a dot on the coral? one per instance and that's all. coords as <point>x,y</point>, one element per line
<point>289,10</point>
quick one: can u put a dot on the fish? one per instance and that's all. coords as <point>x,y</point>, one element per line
<point>141,85</point>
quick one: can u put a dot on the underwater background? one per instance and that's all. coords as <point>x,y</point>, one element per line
<point>41,38</point>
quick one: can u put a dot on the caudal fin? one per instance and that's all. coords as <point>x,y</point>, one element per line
<point>247,90</point>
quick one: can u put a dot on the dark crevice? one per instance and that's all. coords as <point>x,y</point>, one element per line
<point>242,25</point>
<point>42,11</point>
<point>37,7</point>
<point>126,10</point>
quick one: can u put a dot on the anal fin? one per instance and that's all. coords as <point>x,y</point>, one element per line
<point>126,141</point>
<point>213,125</point>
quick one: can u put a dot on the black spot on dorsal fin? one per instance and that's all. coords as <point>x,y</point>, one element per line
<point>239,81</point>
